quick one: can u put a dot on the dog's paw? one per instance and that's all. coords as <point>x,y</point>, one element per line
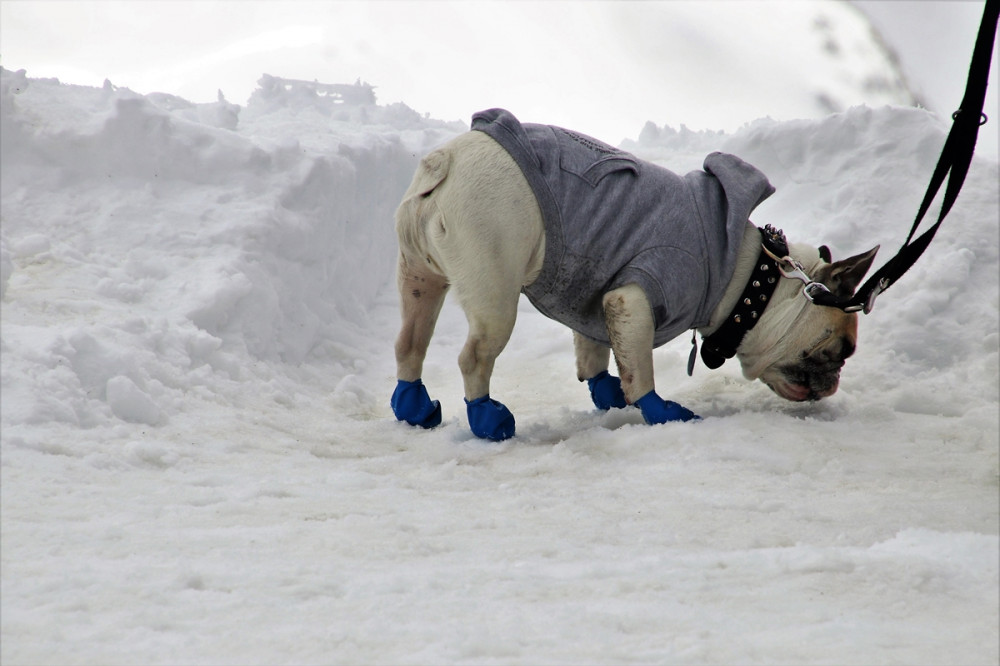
<point>490,419</point>
<point>606,391</point>
<point>411,403</point>
<point>657,410</point>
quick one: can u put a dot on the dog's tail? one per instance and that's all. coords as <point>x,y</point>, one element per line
<point>413,213</point>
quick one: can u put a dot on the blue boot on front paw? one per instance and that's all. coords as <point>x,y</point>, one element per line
<point>606,391</point>
<point>657,410</point>
<point>411,403</point>
<point>490,419</point>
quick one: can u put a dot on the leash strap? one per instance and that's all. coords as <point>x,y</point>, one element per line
<point>954,162</point>
<point>956,156</point>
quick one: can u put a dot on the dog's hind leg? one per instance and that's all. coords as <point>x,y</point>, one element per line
<point>631,328</point>
<point>485,258</point>
<point>488,237</point>
<point>592,367</point>
<point>491,321</point>
<point>421,294</point>
<point>422,285</point>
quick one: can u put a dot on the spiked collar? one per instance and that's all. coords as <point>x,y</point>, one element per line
<point>723,343</point>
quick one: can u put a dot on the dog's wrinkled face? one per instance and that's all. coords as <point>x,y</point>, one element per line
<point>799,348</point>
<point>815,373</point>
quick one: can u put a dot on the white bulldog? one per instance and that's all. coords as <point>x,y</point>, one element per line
<point>471,220</point>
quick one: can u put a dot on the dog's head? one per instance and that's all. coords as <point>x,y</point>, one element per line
<point>799,348</point>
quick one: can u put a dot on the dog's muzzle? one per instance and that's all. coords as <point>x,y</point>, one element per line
<point>801,383</point>
<point>813,377</point>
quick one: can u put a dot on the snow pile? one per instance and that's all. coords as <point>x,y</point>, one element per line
<point>190,246</point>
<point>200,465</point>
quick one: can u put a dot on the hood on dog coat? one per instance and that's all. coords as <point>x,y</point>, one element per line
<point>612,219</point>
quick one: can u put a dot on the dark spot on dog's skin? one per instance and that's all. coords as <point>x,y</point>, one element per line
<point>416,293</point>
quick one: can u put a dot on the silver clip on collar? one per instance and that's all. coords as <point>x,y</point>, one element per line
<point>790,268</point>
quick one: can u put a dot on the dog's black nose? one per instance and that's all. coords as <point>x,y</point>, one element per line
<point>832,356</point>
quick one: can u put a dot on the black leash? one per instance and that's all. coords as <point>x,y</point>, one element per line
<point>956,156</point>
<point>954,162</point>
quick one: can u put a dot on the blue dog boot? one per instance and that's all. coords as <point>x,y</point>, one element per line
<point>490,419</point>
<point>657,410</point>
<point>411,403</point>
<point>606,391</point>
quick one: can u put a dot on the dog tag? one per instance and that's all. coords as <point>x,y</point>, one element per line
<point>693,355</point>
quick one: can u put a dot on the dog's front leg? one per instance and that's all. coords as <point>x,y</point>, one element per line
<point>592,367</point>
<point>630,327</point>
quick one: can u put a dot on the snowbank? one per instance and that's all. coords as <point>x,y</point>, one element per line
<point>194,249</point>
<point>199,462</point>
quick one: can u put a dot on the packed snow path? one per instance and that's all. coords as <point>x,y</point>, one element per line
<point>199,463</point>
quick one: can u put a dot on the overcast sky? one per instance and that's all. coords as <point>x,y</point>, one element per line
<point>411,51</point>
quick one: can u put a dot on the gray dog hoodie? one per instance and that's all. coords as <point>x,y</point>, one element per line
<point>612,219</point>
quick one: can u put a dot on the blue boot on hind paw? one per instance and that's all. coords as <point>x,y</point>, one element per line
<point>490,419</point>
<point>411,403</point>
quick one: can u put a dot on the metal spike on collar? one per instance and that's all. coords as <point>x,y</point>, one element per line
<point>775,236</point>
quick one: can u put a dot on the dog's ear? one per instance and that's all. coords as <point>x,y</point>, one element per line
<point>824,254</point>
<point>843,277</point>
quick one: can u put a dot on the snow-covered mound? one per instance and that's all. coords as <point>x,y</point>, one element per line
<point>192,247</point>
<point>200,464</point>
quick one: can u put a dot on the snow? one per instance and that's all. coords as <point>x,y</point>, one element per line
<point>199,463</point>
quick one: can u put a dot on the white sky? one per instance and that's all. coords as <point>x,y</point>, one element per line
<point>618,64</point>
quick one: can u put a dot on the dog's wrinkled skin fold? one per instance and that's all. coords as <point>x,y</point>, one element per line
<point>469,221</point>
